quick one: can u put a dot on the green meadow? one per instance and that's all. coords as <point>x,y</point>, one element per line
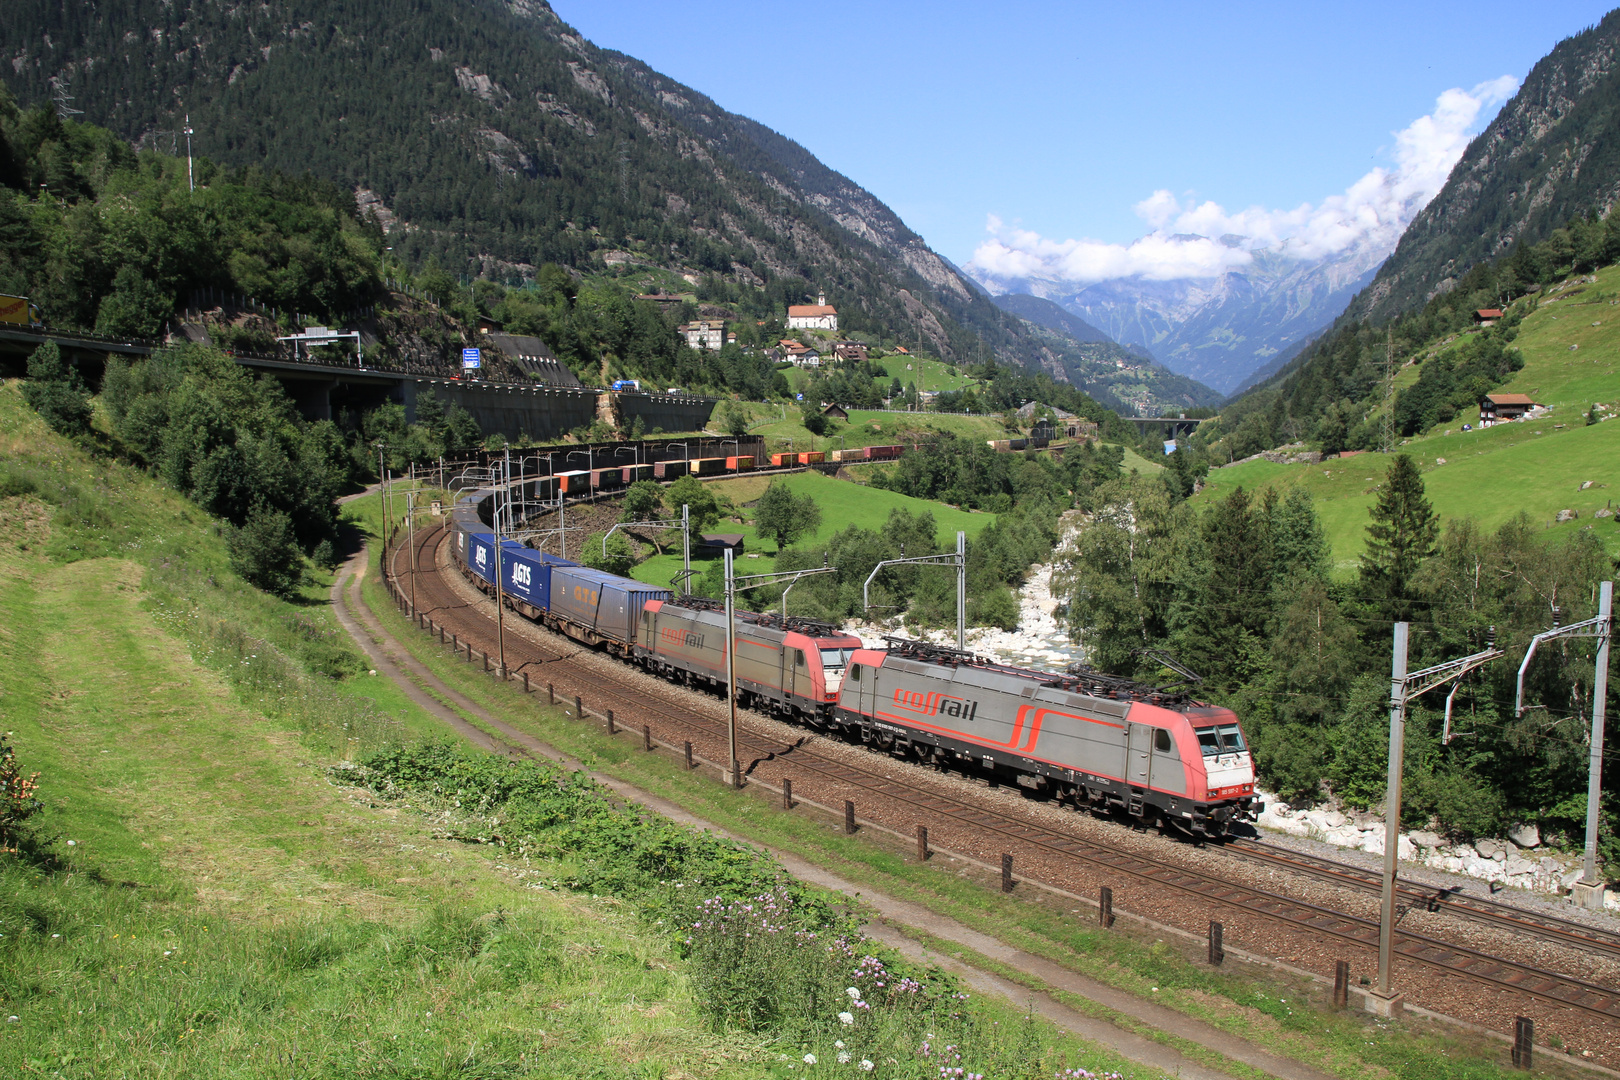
<point>842,504</point>
<point>1537,467</point>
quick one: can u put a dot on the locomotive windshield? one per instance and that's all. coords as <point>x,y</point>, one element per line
<point>1221,739</point>
<point>835,660</point>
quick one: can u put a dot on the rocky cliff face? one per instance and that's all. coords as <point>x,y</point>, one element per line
<point>1553,152</point>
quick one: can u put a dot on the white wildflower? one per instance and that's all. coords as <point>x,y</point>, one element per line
<point>809,1059</point>
<point>854,994</point>
<point>866,1065</point>
<point>843,1057</point>
<point>846,1018</point>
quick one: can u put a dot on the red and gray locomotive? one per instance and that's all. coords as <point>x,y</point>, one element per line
<point>1101,742</point>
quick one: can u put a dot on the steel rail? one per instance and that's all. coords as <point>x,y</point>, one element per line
<point>1480,909</point>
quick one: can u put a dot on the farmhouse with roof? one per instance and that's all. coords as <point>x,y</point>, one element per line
<point>1487,316</point>
<point>816,316</point>
<point>1494,408</point>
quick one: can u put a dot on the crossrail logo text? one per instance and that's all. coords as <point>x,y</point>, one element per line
<point>930,703</point>
<point>676,636</point>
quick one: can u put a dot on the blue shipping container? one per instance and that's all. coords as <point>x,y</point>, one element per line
<point>527,575</point>
<point>481,555</point>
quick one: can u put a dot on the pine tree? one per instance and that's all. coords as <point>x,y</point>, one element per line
<point>1403,533</point>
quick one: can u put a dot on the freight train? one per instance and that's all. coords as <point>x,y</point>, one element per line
<point>1099,742</point>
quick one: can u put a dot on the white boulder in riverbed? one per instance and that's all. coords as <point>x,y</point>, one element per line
<point>1526,836</point>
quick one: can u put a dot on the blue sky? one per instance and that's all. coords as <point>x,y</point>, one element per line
<point>1060,118</point>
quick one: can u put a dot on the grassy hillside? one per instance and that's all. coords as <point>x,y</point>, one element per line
<point>927,374</point>
<point>1490,475</point>
<point>222,901</point>
<point>842,504</point>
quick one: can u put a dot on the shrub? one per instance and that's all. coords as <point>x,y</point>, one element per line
<point>619,557</point>
<point>56,392</point>
<point>264,552</point>
<point>18,804</point>
<point>996,606</point>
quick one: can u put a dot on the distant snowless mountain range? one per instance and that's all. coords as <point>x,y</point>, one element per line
<point>1226,298</point>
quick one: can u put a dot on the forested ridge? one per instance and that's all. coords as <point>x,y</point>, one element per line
<point>491,140</point>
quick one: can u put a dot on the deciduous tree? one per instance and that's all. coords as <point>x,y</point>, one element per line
<point>784,516</point>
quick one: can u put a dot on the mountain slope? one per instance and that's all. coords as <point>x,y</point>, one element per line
<point>1222,330</point>
<point>492,138</point>
<point>1045,313</point>
<point>1552,153</point>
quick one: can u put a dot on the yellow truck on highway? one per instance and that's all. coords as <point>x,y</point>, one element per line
<point>17,310</point>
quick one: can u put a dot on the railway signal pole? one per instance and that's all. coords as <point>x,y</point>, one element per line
<point>735,584</point>
<point>1588,891</point>
<point>1404,687</point>
<point>410,525</point>
<point>500,582</point>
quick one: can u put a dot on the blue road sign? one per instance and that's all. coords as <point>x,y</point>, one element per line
<point>471,358</point>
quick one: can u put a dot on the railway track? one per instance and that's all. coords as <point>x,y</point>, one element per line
<point>441,602</point>
<point>1453,901</point>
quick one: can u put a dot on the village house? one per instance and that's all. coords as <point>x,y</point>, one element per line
<point>850,350</point>
<point>703,334</point>
<point>1494,408</point>
<point>1487,316</point>
<point>835,411</point>
<point>817,316</point>
<point>798,354</point>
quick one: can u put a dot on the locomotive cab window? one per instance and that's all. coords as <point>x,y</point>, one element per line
<point>1221,739</point>
<point>855,673</point>
<point>798,658</point>
<point>835,660</point>
<point>1161,741</point>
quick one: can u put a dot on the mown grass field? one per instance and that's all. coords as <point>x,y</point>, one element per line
<point>1536,467</point>
<point>842,504</point>
<point>927,374</point>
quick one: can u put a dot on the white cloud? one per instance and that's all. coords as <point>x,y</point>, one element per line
<point>1371,212</point>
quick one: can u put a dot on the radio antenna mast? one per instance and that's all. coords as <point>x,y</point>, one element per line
<point>191,179</point>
